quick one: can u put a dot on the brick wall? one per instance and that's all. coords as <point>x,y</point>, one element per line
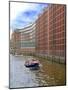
<point>50,31</point>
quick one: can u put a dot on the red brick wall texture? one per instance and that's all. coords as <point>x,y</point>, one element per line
<point>50,31</point>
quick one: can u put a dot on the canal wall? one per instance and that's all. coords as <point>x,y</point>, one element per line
<point>52,58</point>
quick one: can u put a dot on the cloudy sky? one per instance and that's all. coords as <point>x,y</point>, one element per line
<point>21,14</point>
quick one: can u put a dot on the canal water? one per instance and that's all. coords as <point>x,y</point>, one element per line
<point>49,73</point>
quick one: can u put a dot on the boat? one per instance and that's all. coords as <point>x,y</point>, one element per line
<point>32,63</point>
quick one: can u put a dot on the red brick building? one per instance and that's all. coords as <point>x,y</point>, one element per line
<point>57,30</point>
<point>15,38</point>
<point>23,39</point>
<point>50,32</point>
<point>42,34</point>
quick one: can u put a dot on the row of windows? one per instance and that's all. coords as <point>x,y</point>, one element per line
<point>57,30</point>
<point>39,38</point>
<point>51,30</point>
<point>53,33</point>
<point>56,45</point>
<point>56,24</point>
<point>42,48</point>
<point>28,33</point>
<point>59,35</point>
<point>58,50</point>
<point>28,37</point>
<point>52,36</point>
<point>43,27</point>
<point>44,19</point>
<point>27,45</point>
<point>56,20</point>
<point>53,47</point>
<point>51,17</point>
<point>42,33</point>
<point>42,43</point>
<point>60,41</point>
<point>56,8</point>
<point>51,25</point>
<point>53,42</point>
<point>42,23</point>
<point>57,53</point>
<point>57,27</point>
<point>42,51</point>
<point>57,39</point>
<point>55,13</point>
<point>51,52</point>
<point>61,16</point>
<point>45,23</point>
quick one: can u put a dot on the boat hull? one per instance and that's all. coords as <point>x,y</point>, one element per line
<point>32,65</point>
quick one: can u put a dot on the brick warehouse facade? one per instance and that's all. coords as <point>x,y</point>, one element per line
<point>15,42</point>
<point>46,36</point>
<point>28,39</point>
<point>42,34</point>
<point>50,32</point>
<point>23,40</point>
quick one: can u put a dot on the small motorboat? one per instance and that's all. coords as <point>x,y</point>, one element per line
<point>32,63</point>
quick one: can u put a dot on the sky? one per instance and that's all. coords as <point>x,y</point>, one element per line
<point>22,14</point>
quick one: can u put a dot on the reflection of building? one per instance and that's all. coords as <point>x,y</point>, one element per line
<point>50,32</point>
<point>24,39</point>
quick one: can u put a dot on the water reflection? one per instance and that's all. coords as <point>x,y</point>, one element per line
<point>47,75</point>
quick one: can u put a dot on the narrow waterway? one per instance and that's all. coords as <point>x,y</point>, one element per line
<point>49,74</point>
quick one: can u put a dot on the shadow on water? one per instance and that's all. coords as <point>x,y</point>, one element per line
<point>35,68</point>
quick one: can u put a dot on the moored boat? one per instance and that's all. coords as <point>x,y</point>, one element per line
<point>32,63</point>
